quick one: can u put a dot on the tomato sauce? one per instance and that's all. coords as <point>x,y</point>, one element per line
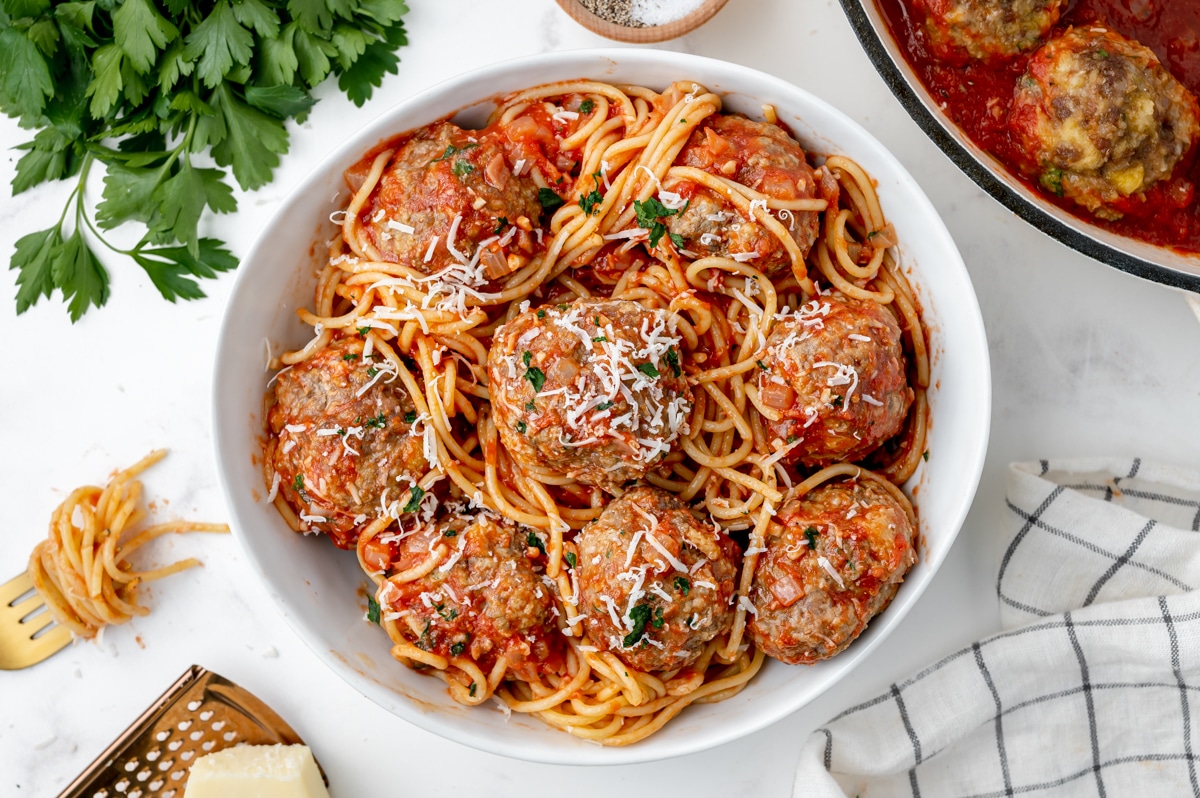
<point>978,98</point>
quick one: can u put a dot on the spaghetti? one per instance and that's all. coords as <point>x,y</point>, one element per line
<point>81,570</point>
<point>717,224</point>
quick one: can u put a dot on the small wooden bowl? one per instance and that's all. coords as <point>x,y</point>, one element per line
<point>653,33</point>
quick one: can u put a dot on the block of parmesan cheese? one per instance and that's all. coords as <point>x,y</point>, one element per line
<point>256,771</point>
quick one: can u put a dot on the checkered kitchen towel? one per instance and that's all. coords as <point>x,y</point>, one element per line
<point>1093,690</point>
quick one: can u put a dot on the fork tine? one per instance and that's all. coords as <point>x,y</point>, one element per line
<point>14,588</point>
<point>37,623</point>
<point>23,609</point>
<point>31,652</point>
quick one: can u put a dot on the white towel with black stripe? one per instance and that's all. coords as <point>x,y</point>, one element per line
<point>1094,687</point>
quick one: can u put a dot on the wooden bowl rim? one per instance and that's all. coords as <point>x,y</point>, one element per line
<point>647,35</point>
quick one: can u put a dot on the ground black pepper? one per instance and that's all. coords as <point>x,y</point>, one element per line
<point>640,13</point>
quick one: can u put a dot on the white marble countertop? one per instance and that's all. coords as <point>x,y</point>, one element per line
<point>1085,360</point>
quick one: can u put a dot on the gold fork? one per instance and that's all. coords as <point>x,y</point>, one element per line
<point>24,637</point>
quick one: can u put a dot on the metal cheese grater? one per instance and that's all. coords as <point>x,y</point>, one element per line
<point>202,712</point>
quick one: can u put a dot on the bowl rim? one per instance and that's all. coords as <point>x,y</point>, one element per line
<point>227,430</point>
<point>942,131</point>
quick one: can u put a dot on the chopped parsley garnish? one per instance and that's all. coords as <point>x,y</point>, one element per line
<point>501,223</point>
<point>372,371</point>
<point>526,357</point>
<point>792,439</point>
<point>472,692</point>
<point>298,483</point>
<point>604,405</point>
<point>673,362</point>
<point>640,615</point>
<point>446,616</point>
<point>415,494</point>
<point>541,314</point>
<point>457,649</point>
<point>592,200</point>
<point>648,215</point>
<point>410,416</point>
<point>531,405</point>
<point>676,239</point>
<point>810,534</point>
<point>536,377</point>
<point>600,339</point>
<point>648,369</point>
<point>570,558</point>
<point>451,151</point>
<point>534,542</point>
<point>521,427</point>
<point>550,201</point>
<point>462,168</point>
<point>838,401</point>
<point>683,585</point>
<point>925,455</point>
<point>587,106</point>
<point>1051,180</point>
<point>372,609</point>
<point>657,623</point>
<point>362,331</point>
<point>1102,54</point>
<point>450,533</point>
<point>423,642</point>
<point>349,356</point>
<point>379,422</point>
<point>761,365</point>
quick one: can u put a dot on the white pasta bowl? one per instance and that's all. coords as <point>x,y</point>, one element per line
<point>320,591</point>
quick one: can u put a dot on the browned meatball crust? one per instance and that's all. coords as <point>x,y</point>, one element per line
<point>441,174</point>
<point>485,600</point>
<point>592,389</point>
<point>810,603</point>
<point>335,452</point>
<point>989,30</point>
<point>834,375</point>
<point>1101,120</point>
<point>762,157</point>
<point>655,584</point>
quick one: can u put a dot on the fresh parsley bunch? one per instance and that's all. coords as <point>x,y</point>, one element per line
<point>144,85</point>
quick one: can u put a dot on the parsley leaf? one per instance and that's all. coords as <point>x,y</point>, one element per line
<point>593,199</point>
<point>455,650</point>
<point>534,542</point>
<point>658,621</point>
<point>648,369</point>
<point>141,32</point>
<point>372,609</point>
<point>549,200</point>
<point>410,417</point>
<point>462,168</point>
<point>217,44</point>
<point>416,493</point>
<point>673,362</point>
<point>166,81</point>
<point>501,223</point>
<point>586,106</point>
<point>521,427</point>
<point>379,421</point>
<point>683,585</point>
<point>810,534</point>
<point>648,214</point>
<point>536,377</point>
<point>570,558</point>
<point>640,615</point>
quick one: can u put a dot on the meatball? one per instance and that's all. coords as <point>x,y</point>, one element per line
<point>1101,120</point>
<point>758,155</point>
<point>343,434</point>
<point>834,560</point>
<point>988,30</point>
<point>833,375</point>
<point>444,192</point>
<point>592,389</point>
<point>655,584</point>
<point>483,601</point>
